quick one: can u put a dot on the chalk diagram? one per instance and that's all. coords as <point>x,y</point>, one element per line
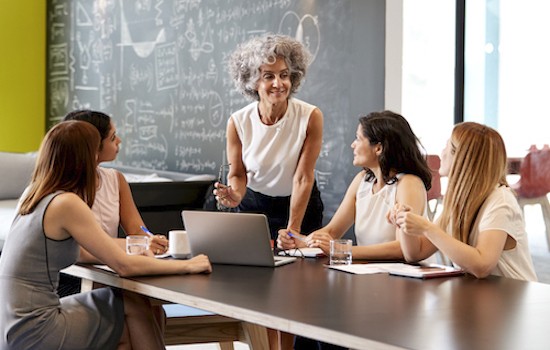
<point>142,48</point>
<point>198,46</point>
<point>83,20</point>
<point>305,29</point>
<point>215,109</point>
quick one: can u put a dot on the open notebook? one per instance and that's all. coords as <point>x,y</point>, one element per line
<point>424,271</point>
<point>231,238</point>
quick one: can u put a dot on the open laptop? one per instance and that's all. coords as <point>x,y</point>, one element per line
<point>231,238</point>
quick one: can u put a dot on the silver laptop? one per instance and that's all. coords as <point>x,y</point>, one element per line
<point>231,238</point>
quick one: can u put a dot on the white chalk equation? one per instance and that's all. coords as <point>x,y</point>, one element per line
<point>159,68</point>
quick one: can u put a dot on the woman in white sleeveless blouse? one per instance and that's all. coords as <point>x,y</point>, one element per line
<point>274,142</point>
<point>394,171</point>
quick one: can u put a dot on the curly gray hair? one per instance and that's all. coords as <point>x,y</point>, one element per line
<point>245,62</point>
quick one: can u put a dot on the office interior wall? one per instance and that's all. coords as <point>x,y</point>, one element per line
<point>394,55</point>
<point>22,74</point>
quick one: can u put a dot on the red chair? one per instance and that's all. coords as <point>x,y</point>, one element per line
<point>434,194</point>
<point>534,183</point>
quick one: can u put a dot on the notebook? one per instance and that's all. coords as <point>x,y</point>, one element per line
<point>304,252</point>
<point>231,238</point>
<point>401,269</point>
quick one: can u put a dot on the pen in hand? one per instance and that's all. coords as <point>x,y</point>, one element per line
<point>146,230</point>
<point>296,237</point>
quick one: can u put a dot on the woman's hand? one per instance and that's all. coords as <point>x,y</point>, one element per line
<point>285,241</point>
<point>319,239</point>
<point>411,223</point>
<point>198,264</point>
<point>391,215</point>
<point>158,244</point>
<point>226,196</point>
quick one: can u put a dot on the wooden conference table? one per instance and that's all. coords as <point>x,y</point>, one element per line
<point>360,311</point>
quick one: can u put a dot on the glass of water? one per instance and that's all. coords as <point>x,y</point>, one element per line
<point>340,252</point>
<point>222,180</point>
<point>136,245</point>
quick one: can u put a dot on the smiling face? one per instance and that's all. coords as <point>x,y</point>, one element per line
<point>274,83</point>
<point>109,146</point>
<point>365,155</point>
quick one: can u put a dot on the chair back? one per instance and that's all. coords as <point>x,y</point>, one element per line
<point>534,174</point>
<point>434,162</point>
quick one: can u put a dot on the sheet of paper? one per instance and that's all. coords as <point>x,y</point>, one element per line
<point>400,269</point>
<point>105,267</point>
<point>363,269</point>
<point>307,252</point>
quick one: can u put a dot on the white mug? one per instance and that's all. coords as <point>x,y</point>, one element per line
<point>178,245</point>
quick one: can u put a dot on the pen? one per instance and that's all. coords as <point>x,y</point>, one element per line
<point>296,236</point>
<point>146,230</point>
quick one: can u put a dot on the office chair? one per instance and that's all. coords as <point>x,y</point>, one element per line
<point>434,194</point>
<point>534,183</point>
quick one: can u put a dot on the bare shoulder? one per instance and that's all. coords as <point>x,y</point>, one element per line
<point>315,123</point>
<point>316,113</point>
<point>121,178</point>
<point>410,180</point>
<point>66,199</point>
<point>67,204</point>
<point>354,185</point>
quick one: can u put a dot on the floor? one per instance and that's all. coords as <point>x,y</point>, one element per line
<point>537,243</point>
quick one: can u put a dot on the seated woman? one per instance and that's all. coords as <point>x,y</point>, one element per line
<point>54,228</point>
<point>481,227</point>
<point>394,171</point>
<point>114,205</point>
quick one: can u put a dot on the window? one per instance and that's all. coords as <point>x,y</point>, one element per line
<point>507,70</point>
<point>428,70</point>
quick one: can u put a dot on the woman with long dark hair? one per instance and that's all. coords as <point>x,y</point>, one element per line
<point>394,171</point>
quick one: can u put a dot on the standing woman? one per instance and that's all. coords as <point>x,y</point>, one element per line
<point>54,227</point>
<point>273,143</point>
<point>481,227</point>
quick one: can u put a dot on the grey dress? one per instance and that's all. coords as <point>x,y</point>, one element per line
<point>32,316</point>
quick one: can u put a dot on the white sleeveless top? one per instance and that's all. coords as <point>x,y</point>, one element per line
<point>371,226</point>
<point>270,152</point>
<point>106,205</point>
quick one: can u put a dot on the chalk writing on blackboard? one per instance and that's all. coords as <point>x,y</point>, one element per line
<point>158,67</point>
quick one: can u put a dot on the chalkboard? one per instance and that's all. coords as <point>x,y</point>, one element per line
<point>158,68</point>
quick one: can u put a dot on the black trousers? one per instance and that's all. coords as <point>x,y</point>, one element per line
<point>277,210</point>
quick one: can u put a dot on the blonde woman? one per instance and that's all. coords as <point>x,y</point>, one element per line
<point>481,228</point>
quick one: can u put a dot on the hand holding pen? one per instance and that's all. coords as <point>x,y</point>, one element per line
<point>158,244</point>
<point>290,240</point>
